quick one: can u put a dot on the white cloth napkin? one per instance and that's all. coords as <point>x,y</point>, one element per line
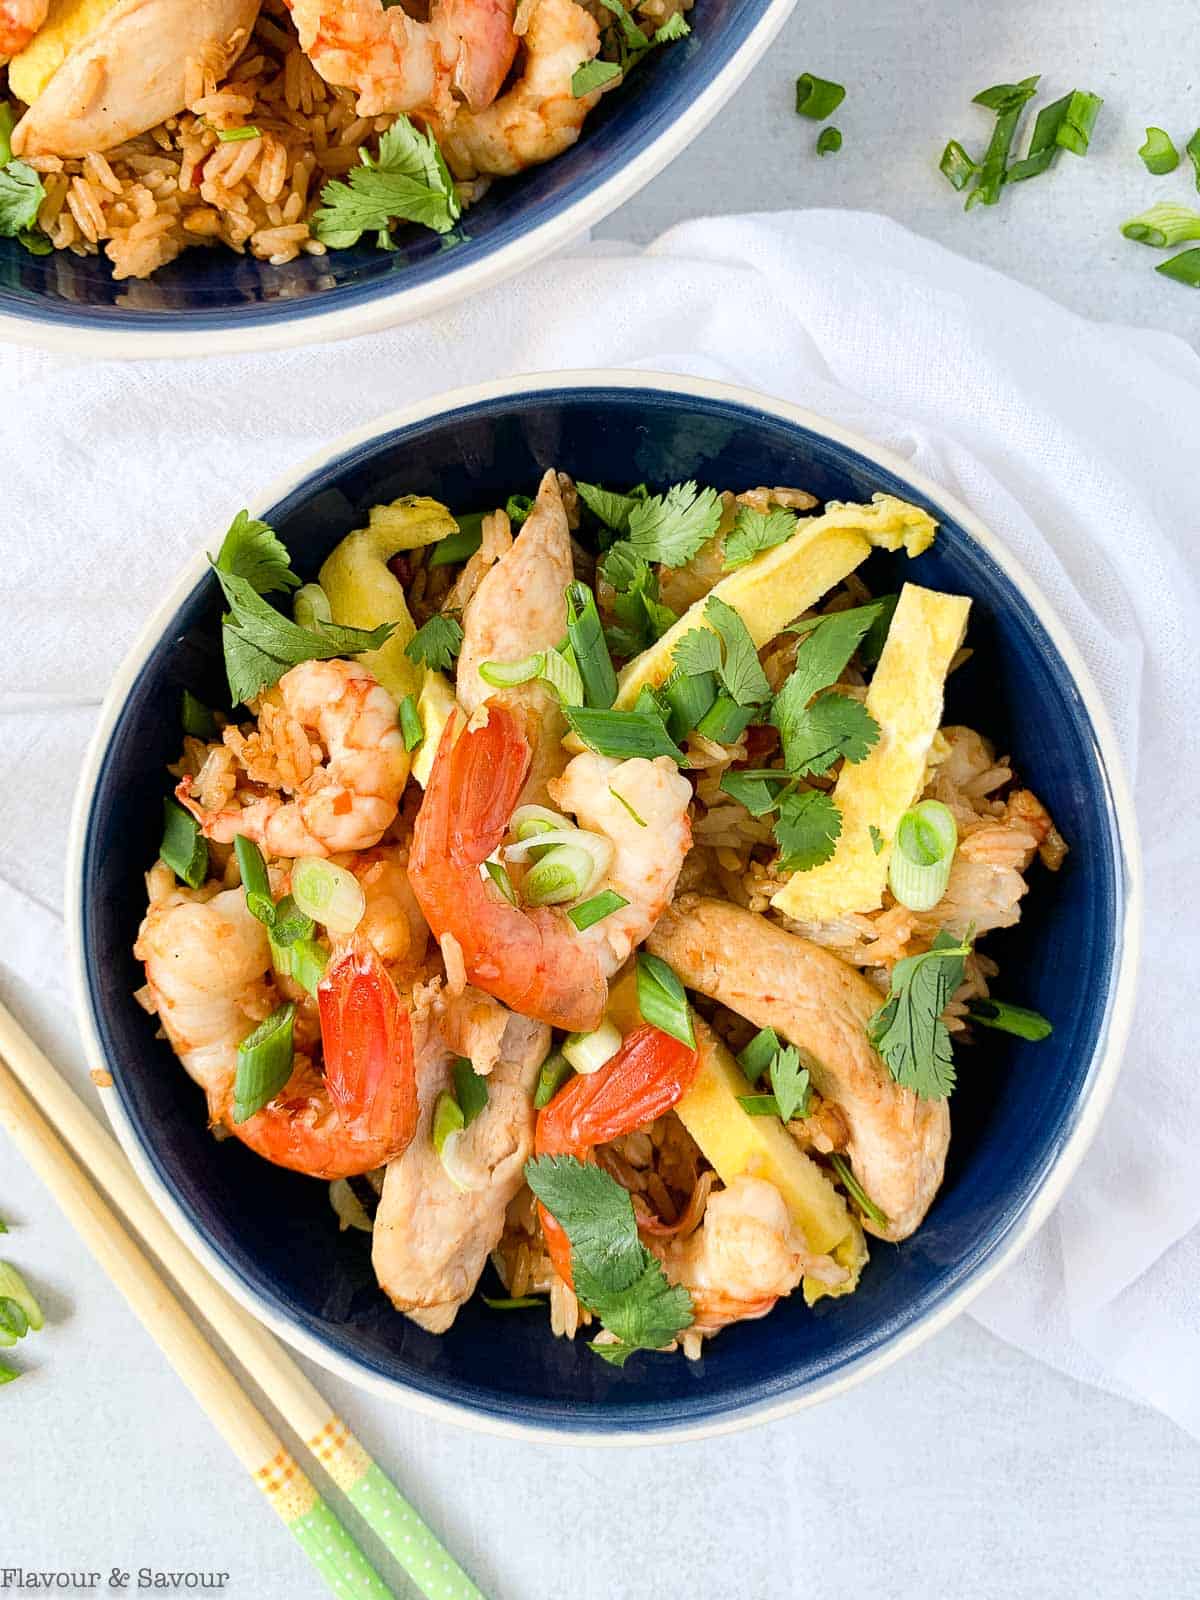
<point>1075,442</point>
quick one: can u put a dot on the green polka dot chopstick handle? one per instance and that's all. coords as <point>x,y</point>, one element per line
<point>314,1526</point>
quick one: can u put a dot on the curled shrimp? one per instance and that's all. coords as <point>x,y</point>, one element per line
<point>345,803</point>
<point>539,117</point>
<point>206,965</point>
<point>395,63</point>
<point>19,21</point>
<point>649,1074</point>
<point>530,958</point>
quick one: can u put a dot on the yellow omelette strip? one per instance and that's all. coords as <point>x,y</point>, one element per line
<point>779,585</point>
<point>905,698</point>
<point>68,23</point>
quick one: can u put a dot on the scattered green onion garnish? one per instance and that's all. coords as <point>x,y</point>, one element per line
<point>1183,268</point>
<point>460,546</point>
<point>688,697</point>
<point>310,607</point>
<point>14,1324</point>
<point>590,912</point>
<point>641,821</point>
<point>518,508</point>
<point>502,880</point>
<point>308,961</point>
<point>759,1054</point>
<point>725,721</point>
<point>264,1063</point>
<point>957,167</point>
<point>255,881</point>
<point>817,98</point>
<point>1007,100</point>
<point>236,135</point>
<point>587,1052</point>
<point>563,676</point>
<point>184,848</point>
<point>1163,225</point>
<point>198,721</point>
<point>1192,147</point>
<point>563,874</point>
<point>586,634</point>
<point>556,1069</point>
<point>623,734</point>
<point>328,894</point>
<point>507,674</point>
<point>412,730</point>
<point>829,141</point>
<point>520,1302</point>
<point>447,1120</point>
<point>7,1374</point>
<point>856,1191</point>
<point>470,1090</point>
<point>3,1225</point>
<point>15,1290</point>
<point>661,998</point>
<point>922,854</point>
<point>1066,124</point>
<point>1018,1020</point>
<point>759,1105</point>
<point>1158,153</point>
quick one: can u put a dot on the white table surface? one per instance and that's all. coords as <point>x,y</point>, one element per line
<point>969,1470</point>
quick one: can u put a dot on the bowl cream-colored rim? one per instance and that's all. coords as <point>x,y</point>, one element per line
<point>406,305</point>
<point>1096,1093</point>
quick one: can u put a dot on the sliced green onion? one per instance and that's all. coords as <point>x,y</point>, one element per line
<point>470,1090</point>
<point>528,820</point>
<point>1163,225</point>
<point>1158,153</point>
<point>1018,1020</point>
<point>237,135</point>
<point>13,1287</point>
<point>688,698</point>
<point>255,881</point>
<point>587,1052</point>
<point>1184,268</point>
<point>956,166</point>
<point>3,1225</point>
<point>7,1374</point>
<point>661,998</point>
<point>641,821</point>
<point>351,1213</point>
<point>13,1318</point>
<point>329,895</point>
<point>501,879</point>
<point>184,848</point>
<point>556,1069</point>
<point>460,546</point>
<point>538,842</point>
<point>448,1125</point>
<point>1067,124</point>
<point>1007,100</point>
<point>586,634</point>
<point>725,721</point>
<point>308,962</point>
<point>198,721</point>
<point>1078,121</point>
<point>8,1334</point>
<point>310,607</point>
<point>816,97</point>
<point>520,1302</point>
<point>563,874</point>
<point>623,734</point>
<point>412,730</point>
<point>563,676</point>
<point>1192,148</point>
<point>592,911</point>
<point>922,853</point>
<point>291,924</point>
<point>856,1191</point>
<point>264,1063</point>
<point>507,674</point>
<point>518,508</point>
<point>759,1105</point>
<point>759,1054</point>
<point>8,122</point>
<point>829,141</point>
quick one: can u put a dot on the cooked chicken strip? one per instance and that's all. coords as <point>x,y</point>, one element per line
<point>519,607</point>
<point>131,73</point>
<point>897,1143</point>
<point>432,1239</point>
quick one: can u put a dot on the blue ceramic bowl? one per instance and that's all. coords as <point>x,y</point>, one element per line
<point>213,300</point>
<point>1022,1114</point>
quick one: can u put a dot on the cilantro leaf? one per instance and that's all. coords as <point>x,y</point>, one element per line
<point>807,830</point>
<point>742,672</point>
<point>908,1031</point>
<point>671,527</point>
<point>641,616</point>
<point>755,531</point>
<point>615,1275</point>
<point>408,180</point>
<point>436,644</point>
<point>612,508</point>
<point>673,28</point>
<point>830,641</point>
<point>756,790</point>
<point>252,550</point>
<point>21,196</point>
<point>698,651</point>
<point>634,38</point>
<point>593,75</point>
<point>790,1083</point>
<point>758,1055</point>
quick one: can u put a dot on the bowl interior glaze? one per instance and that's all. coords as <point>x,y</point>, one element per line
<point>1017,1102</point>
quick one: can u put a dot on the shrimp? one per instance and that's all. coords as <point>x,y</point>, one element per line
<point>392,920</point>
<point>897,1143</point>
<point>206,964</point>
<point>529,958</point>
<point>19,21</point>
<point>346,804</point>
<point>745,1255</point>
<point>520,607</point>
<point>395,63</point>
<point>539,117</point>
<point>649,1074</point>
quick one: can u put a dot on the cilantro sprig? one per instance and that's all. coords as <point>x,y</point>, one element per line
<point>615,1276</point>
<point>726,648</point>
<point>641,616</point>
<point>669,528</point>
<point>818,725</point>
<point>632,45</point>
<point>408,181</point>
<point>791,1085</point>
<point>436,643</point>
<point>755,531</point>
<point>260,643</point>
<point>908,1031</point>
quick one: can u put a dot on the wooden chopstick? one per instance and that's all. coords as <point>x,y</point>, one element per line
<point>370,1491</point>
